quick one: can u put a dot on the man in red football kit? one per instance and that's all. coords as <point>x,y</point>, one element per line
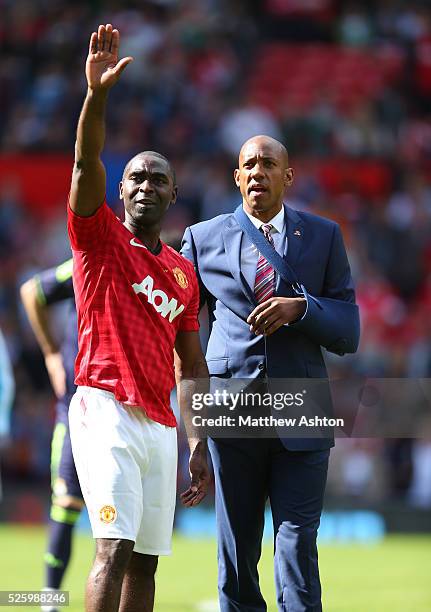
<point>137,299</point>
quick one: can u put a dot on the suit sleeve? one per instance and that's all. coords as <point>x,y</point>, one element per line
<point>332,320</point>
<point>188,250</point>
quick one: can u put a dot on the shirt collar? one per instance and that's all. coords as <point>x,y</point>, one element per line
<point>277,222</point>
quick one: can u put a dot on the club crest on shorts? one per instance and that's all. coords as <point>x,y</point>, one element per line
<point>107,514</point>
<point>181,278</point>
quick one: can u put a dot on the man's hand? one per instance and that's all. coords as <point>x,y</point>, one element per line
<point>103,68</point>
<point>56,372</point>
<point>275,312</point>
<point>200,477</point>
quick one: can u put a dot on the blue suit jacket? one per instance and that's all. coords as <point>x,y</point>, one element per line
<point>316,252</point>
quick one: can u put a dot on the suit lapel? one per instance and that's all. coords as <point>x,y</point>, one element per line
<point>295,235</point>
<point>232,238</point>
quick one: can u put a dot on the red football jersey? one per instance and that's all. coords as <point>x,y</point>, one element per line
<point>131,304</point>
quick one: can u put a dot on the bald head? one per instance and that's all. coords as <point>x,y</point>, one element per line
<point>268,143</point>
<point>263,174</point>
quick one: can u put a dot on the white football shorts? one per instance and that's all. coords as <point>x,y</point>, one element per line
<point>127,469</point>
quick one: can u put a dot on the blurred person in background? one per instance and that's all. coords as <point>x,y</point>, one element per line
<point>38,295</point>
<point>7,394</point>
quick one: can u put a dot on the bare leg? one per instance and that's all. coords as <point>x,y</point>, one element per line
<point>106,577</point>
<point>137,594</point>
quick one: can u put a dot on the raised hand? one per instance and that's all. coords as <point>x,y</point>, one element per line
<point>103,68</point>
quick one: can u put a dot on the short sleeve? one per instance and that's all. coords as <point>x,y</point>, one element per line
<point>189,321</point>
<point>87,233</point>
<point>55,284</point>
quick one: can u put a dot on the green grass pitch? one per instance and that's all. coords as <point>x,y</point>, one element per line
<point>391,576</point>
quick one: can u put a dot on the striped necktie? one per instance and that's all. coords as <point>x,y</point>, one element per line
<point>264,285</point>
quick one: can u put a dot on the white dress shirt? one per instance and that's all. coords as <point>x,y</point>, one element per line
<point>249,252</point>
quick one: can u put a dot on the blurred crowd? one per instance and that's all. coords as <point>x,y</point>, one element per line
<point>345,85</point>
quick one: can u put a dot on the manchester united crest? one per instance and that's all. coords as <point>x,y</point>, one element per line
<point>181,278</point>
<point>108,514</point>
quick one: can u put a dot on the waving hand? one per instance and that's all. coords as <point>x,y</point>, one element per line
<point>103,69</point>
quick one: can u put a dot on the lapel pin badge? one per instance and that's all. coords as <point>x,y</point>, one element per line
<point>297,232</point>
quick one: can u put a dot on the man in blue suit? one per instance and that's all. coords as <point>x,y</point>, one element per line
<point>260,327</point>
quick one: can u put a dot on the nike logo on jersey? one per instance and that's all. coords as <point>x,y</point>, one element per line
<point>158,298</point>
<point>134,243</point>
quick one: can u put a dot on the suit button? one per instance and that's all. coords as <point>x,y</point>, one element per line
<point>261,366</point>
